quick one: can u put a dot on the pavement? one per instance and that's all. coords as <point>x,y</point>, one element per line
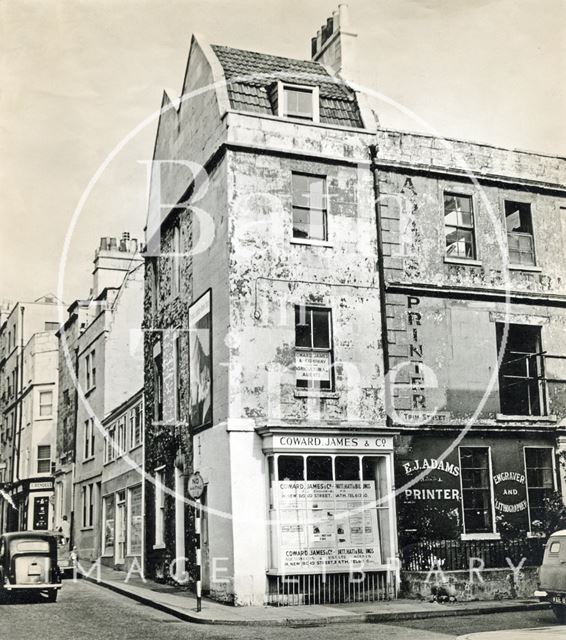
<point>182,604</point>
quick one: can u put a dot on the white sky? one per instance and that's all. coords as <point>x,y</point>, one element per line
<point>78,75</point>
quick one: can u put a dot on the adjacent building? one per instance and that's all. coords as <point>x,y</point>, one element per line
<point>101,369</point>
<point>28,378</point>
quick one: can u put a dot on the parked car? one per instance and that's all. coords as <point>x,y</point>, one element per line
<point>552,575</point>
<point>28,563</point>
<point>67,557</point>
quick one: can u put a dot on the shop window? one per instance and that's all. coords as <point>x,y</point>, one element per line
<point>44,458</point>
<point>347,467</point>
<point>291,468</point>
<point>135,521</point>
<point>298,102</point>
<point>476,489</point>
<point>520,241</point>
<point>319,468</point>
<point>45,404</point>
<point>333,518</point>
<point>309,207</point>
<point>540,480</point>
<point>159,508</point>
<point>459,226</point>
<point>313,347</point>
<point>108,525</point>
<point>520,374</point>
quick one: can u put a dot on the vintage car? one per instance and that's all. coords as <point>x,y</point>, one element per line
<point>28,563</point>
<point>552,575</point>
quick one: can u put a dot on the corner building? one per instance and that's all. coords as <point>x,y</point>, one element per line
<point>263,353</point>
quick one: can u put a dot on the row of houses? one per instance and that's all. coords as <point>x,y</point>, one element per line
<point>355,336</point>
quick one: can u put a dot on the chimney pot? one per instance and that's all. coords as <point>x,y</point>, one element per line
<point>112,244</point>
<point>313,47</point>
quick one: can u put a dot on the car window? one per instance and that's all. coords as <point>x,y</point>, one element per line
<point>554,547</point>
<point>30,546</point>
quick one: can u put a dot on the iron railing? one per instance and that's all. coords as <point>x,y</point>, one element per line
<point>454,555</point>
<point>331,588</point>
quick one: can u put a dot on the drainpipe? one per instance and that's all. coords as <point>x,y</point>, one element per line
<point>382,289</point>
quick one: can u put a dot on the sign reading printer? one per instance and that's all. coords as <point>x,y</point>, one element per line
<point>326,525</point>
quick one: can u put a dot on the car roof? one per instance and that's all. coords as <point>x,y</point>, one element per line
<point>14,535</point>
<point>562,532</point>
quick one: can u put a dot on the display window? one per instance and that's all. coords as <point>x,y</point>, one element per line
<point>330,512</point>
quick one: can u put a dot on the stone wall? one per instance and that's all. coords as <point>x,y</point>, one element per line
<point>495,584</point>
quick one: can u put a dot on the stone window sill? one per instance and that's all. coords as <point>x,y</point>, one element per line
<point>159,546</point>
<point>315,393</point>
<point>465,262</point>
<point>525,267</point>
<point>312,243</point>
<point>481,536</point>
<point>501,417</point>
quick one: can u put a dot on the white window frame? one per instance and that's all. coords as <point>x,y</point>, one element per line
<point>87,372</point>
<point>88,506</point>
<point>554,484</point>
<point>159,508</point>
<point>43,459</point>
<point>42,404</point>
<point>309,308</point>
<point>481,535</point>
<point>315,94</point>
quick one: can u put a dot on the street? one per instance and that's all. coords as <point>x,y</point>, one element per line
<point>85,610</point>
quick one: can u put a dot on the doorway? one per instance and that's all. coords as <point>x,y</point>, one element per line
<point>120,549</point>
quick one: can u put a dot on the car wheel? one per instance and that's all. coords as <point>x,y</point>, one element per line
<point>52,595</point>
<point>560,612</point>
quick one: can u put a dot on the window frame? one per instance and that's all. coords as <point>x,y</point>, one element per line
<point>88,448</point>
<point>511,199</point>
<point>282,87</point>
<point>41,404</point>
<point>477,534</point>
<point>329,350</point>
<point>469,228</point>
<point>554,479</point>
<point>176,260</point>
<point>299,207</point>
<point>538,376</point>
<point>87,494</point>
<point>159,508</point>
<point>42,459</point>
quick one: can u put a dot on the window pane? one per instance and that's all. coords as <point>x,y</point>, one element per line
<point>518,217</point>
<point>476,489</point>
<point>321,329</point>
<point>302,327</point>
<point>319,468</point>
<point>301,223</point>
<point>347,467</point>
<point>298,102</point>
<point>290,468</point>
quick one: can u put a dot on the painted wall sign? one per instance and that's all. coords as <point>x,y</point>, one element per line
<point>41,486</point>
<point>326,442</point>
<point>415,466</point>
<point>510,488</point>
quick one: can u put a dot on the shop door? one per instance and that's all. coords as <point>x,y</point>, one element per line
<point>120,550</point>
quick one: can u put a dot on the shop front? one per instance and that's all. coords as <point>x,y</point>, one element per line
<point>332,517</point>
<point>483,496</point>
<point>33,499</point>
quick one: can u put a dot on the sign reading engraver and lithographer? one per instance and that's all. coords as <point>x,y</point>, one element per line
<point>325,525</point>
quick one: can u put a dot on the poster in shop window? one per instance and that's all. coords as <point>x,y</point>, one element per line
<point>327,525</point>
<point>200,361</point>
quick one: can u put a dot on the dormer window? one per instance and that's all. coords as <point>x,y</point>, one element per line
<point>300,102</point>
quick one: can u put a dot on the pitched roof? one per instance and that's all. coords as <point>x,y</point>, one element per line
<point>251,77</point>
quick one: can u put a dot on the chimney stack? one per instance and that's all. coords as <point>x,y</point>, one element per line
<point>112,261</point>
<point>335,44</point>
